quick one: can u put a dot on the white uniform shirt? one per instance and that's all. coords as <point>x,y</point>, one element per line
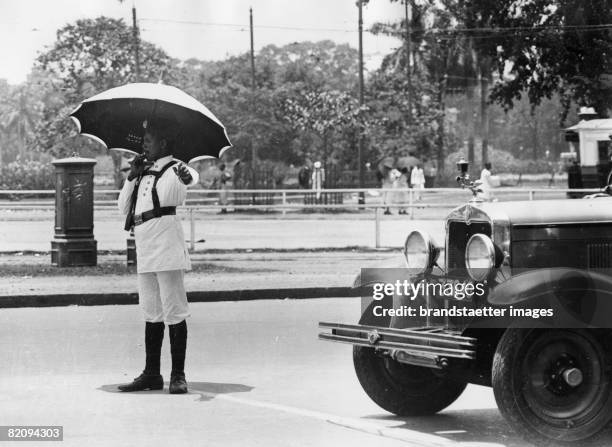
<point>160,242</point>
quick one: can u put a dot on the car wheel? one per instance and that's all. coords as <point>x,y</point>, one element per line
<point>554,386</point>
<point>404,390</point>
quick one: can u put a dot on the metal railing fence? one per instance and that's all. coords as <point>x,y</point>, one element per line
<point>292,200</point>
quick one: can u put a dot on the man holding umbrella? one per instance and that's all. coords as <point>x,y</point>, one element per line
<point>178,126</point>
<point>155,186</point>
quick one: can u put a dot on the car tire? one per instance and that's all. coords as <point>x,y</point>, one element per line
<point>401,389</point>
<point>537,398</point>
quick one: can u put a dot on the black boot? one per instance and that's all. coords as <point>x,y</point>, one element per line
<point>178,346</point>
<point>150,379</point>
<point>144,382</point>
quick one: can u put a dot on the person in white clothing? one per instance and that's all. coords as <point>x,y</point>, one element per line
<point>155,186</point>
<point>486,183</point>
<point>417,180</point>
<point>318,179</point>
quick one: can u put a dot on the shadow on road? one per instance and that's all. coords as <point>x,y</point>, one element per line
<point>206,390</point>
<point>482,426</point>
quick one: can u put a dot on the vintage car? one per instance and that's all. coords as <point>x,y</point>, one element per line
<point>552,380</point>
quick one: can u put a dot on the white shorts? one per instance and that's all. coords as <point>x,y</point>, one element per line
<point>162,296</point>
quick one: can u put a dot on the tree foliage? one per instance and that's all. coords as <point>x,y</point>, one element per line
<point>326,114</point>
<point>303,105</point>
<point>93,55</point>
<point>532,52</point>
<point>408,90</point>
<point>88,57</point>
<point>543,47</point>
<point>255,119</point>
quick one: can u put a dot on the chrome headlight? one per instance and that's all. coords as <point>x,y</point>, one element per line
<point>420,251</point>
<point>481,256</point>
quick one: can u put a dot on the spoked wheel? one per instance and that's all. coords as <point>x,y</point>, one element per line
<point>402,389</point>
<point>554,386</point>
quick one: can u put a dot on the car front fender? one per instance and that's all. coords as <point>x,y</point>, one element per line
<point>577,297</point>
<point>365,281</point>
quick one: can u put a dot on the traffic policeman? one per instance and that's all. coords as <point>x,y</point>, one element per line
<point>156,185</point>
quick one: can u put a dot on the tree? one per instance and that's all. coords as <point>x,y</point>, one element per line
<point>438,64</point>
<point>21,109</point>
<point>20,120</point>
<point>548,46</point>
<point>281,73</point>
<point>323,64</point>
<point>325,114</point>
<point>88,57</point>
<point>530,131</point>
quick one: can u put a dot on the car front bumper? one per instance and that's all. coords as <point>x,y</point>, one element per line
<point>422,346</point>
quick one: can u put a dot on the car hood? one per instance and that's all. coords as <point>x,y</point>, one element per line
<point>537,212</point>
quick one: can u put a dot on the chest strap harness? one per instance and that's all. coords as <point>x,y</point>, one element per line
<point>157,211</point>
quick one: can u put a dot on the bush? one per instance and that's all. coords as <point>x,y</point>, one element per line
<point>27,174</point>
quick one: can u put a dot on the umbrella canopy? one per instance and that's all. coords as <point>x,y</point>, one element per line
<point>387,162</point>
<point>406,162</point>
<point>118,117</point>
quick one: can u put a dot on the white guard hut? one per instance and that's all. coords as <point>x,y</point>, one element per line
<point>590,146</point>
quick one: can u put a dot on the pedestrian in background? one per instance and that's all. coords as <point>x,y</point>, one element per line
<point>304,177</point>
<point>403,186</point>
<point>486,183</point>
<point>387,180</point>
<point>155,186</point>
<point>224,179</point>
<point>318,180</point>
<point>417,180</point>
<point>430,170</point>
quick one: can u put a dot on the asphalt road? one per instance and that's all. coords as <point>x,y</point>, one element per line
<point>232,232</point>
<point>258,376</point>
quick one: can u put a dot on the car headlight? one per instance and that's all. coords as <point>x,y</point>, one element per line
<point>420,251</point>
<point>481,256</point>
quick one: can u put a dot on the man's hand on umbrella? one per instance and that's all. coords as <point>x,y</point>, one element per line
<point>183,173</point>
<point>137,167</point>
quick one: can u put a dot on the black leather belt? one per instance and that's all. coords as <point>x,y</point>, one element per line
<point>154,213</point>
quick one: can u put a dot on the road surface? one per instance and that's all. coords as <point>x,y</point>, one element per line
<point>235,232</point>
<point>258,377</point>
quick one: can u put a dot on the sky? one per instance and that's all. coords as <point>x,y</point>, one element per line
<point>203,29</point>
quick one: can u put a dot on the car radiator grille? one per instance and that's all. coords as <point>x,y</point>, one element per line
<point>600,255</point>
<point>459,233</point>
